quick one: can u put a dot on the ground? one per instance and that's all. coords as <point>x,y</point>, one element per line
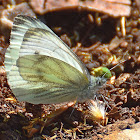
<point>99,39</point>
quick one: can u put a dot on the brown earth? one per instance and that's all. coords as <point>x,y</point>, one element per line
<point>99,39</point>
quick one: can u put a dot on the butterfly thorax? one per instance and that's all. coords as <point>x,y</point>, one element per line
<point>91,91</point>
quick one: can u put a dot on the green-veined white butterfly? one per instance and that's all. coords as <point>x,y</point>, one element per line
<point>41,68</point>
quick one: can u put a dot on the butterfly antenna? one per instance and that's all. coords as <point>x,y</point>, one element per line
<point>114,67</point>
<point>118,63</point>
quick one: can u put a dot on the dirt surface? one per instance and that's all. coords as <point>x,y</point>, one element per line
<point>99,39</point>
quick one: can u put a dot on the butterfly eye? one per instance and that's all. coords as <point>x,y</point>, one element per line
<point>100,81</point>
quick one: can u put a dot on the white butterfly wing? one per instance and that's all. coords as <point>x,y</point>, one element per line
<point>20,26</point>
<point>40,79</point>
<point>43,42</point>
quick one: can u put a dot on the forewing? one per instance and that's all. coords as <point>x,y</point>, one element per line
<point>43,42</point>
<point>20,26</point>
<point>41,79</point>
<point>51,44</point>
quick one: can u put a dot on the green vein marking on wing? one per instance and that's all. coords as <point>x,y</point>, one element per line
<point>42,79</point>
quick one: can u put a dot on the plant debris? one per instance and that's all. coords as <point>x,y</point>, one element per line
<point>103,33</point>
<point>113,8</point>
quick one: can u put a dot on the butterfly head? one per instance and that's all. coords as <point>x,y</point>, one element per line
<point>97,81</point>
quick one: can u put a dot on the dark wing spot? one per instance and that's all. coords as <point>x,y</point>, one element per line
<point>36,52</point>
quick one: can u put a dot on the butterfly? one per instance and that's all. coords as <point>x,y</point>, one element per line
<point>42,69</point>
